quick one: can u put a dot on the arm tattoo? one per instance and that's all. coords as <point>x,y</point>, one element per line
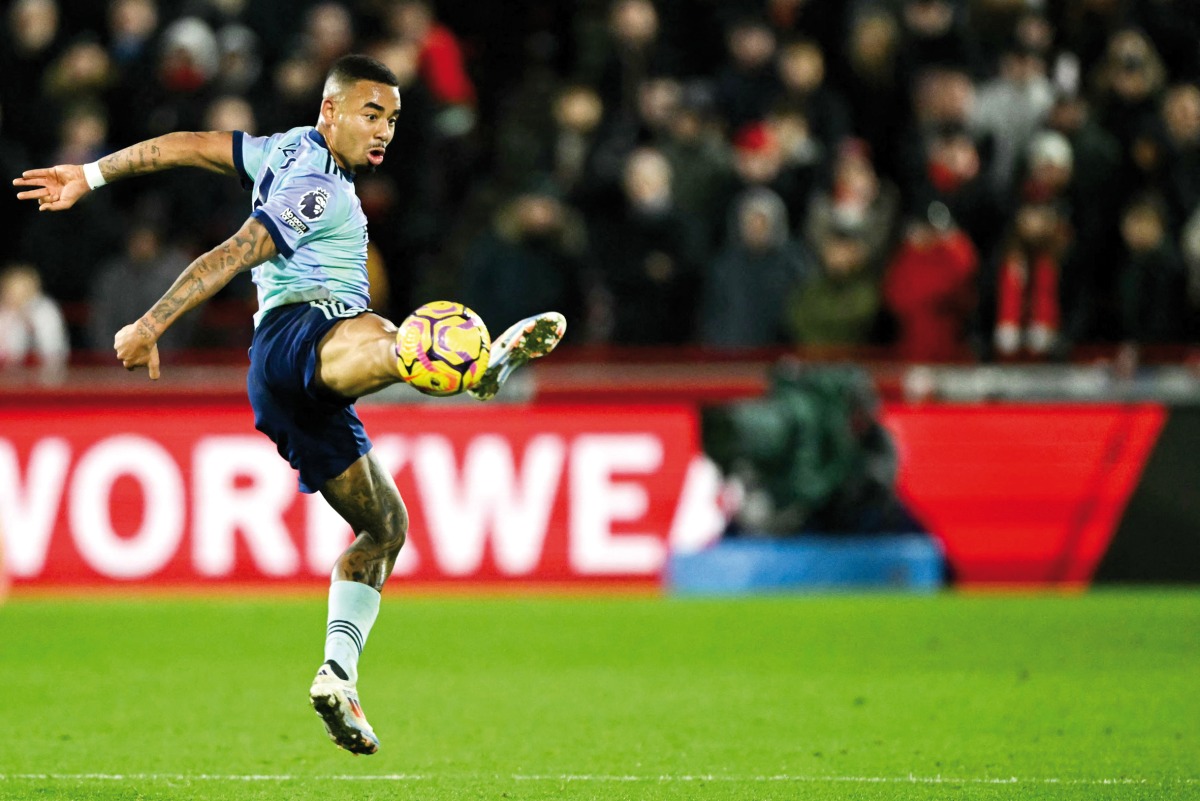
<point>204,277</point>
<point>211,151</point>
<point>139,159</point>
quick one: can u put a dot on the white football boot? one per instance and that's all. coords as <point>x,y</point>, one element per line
<point>336,701</point>
<point>531,338</point>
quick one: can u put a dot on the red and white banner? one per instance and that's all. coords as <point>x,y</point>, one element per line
<point>188,494</point>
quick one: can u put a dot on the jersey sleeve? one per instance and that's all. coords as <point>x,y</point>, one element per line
<point>301,207</point>
<point>248,154</point>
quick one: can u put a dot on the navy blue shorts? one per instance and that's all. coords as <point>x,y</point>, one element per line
<point>316,430</point>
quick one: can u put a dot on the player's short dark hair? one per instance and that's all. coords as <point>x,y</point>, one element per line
<point>357,67</point>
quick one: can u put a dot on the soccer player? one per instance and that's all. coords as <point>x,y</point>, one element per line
<point>316,347</point>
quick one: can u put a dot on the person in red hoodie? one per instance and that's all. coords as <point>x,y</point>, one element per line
<point>441,62</point>
<point>930,286</point>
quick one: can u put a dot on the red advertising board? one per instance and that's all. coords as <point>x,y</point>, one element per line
<point>1027,494</point>
<point>186,494</point>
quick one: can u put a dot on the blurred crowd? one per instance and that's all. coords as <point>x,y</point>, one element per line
<point>946,179</point>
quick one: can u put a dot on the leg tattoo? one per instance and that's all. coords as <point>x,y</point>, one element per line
<point>366,497</point>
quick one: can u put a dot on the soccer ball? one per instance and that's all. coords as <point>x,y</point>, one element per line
<point>442,348</point>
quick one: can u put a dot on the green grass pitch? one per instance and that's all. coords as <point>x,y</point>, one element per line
<point>1093,696</point>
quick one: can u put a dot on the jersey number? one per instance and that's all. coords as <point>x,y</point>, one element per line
<point>335,309</point>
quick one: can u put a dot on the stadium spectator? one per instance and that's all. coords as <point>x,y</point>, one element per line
<point>1087,27</point>
<point>635,52</point>
<point>231,113</point>
<point>126,286</point>
<point>83,134</point>
<point>1029,310</point>
<point>557,137</point>
<point>531,259</point>
<point>188,61</point>
<point>748,84</point>
<point>876,92</point>
<point>1181,123</point>
<point>131,28</point>
<point>804,155</point>
<point>930,288</point>
<point>1010,108</point>
<point>66,248</point>
<point>942,99</point>
<point>81,74</point>
<point>802,74</point>
<point>934,36</point>
<point>1128,84</point>
<point>241,59</point>
<point>328,34</point>
<point>648,255</point>
<point>1151,282</point>
<point>32,330</point>
<point>133,44</point>
<point>33,40</point>
<point>956,171</point>
<point>1095,162</point>
<point>700,161</point>
<point>658,100</point>
<point>14,160</point>
<point>578,111</point>
<point>759,159</point>
<point>839,303</point>
<point>441,63</point>
<point>747,285</point>
<point>824,21</point>
<point>859,197</point>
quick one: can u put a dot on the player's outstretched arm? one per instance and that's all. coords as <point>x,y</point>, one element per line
<point>57,188</point>
<point>137,343</point>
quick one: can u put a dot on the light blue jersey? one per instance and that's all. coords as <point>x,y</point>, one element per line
<point>308,205</point>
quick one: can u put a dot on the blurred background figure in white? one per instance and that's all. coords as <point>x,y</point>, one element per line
<point>32,330</point>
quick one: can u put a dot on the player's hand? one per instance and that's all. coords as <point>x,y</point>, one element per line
<point>54,188</point>
<point>137,346</point>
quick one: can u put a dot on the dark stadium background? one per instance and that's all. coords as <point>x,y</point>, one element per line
<point>829,89</point>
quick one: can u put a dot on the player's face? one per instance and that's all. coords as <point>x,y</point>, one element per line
<point>360,124</point>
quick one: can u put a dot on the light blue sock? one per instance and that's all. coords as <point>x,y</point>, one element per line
<point>353,608</point>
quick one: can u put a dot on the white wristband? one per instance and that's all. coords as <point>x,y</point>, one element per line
<point>91,173</point>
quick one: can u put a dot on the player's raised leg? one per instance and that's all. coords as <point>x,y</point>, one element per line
<point>358,356</point>
<point>365,496</point>
<point>528,339</point>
